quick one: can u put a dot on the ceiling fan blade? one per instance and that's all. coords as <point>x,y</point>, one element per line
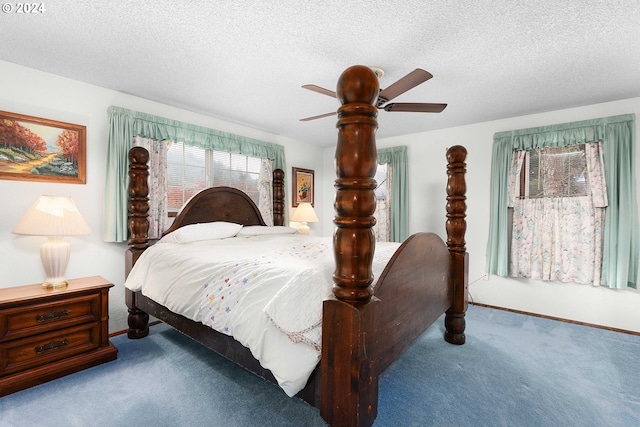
<point>318,117</point>
<point>320,90</point>
<point>409,81</point>
<point>415,107</point>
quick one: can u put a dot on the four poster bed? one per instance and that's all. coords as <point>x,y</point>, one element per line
<point>379,298</point>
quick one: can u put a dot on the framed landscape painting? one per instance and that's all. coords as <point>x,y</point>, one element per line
<point>37,149</point>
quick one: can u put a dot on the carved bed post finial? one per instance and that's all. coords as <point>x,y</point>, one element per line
<point>138,198</point>
<point>356,163</point>
<point>456,228</point>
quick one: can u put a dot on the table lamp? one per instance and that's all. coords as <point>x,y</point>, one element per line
<point>303,214</point>
<point>54,217</point>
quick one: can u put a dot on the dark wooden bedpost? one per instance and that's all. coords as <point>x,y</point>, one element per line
<point>278,197</point>
<point>349,383</point>
<point>138,204</point>
<point>355,203</point>
<point>138,207</point>
<point>456,228</point>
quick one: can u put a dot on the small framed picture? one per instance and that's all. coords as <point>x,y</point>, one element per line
<point>37,149</point>
<point>303,186</point>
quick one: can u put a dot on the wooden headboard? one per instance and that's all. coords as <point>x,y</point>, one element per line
<point>231,205</point>
<point>211,204</point>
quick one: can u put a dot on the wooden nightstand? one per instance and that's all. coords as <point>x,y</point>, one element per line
<point>46,334</point>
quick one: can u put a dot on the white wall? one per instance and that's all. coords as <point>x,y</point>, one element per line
<point>427,178</point>
<point>34,93</point>
<point>28,91</point>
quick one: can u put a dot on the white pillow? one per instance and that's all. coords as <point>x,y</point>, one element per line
<point>202,231</point>
<point>262,230</point>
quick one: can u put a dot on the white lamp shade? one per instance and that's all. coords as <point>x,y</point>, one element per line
<point>52,216</point>
<point>304,213</point>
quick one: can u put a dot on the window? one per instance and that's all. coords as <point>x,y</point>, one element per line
<point>555,172</point>
<point>617,147</point>
<point>557,217</point>
<point>192,169</point>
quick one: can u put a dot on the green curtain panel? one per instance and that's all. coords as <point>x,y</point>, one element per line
<point>397,158</point>
<point>621,242</point>
<point>125,124</point>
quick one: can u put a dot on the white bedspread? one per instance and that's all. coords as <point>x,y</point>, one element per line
<point>265,291</point>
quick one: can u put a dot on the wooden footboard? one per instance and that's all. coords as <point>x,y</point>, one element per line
<point>426,278</point>
<point>414,292</point>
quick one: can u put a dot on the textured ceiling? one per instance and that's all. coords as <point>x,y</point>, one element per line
<point>245,60</point>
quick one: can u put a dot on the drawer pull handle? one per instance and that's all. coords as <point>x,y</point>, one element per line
<point>52,315</point>
<point>53,345</point>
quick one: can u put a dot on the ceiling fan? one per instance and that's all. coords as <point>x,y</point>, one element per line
<point>407,82</point>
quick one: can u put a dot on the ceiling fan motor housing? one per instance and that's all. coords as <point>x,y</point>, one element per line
<point>379,72</point>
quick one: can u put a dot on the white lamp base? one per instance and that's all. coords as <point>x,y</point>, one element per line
<point>303,228</point>
<point>54,254</point>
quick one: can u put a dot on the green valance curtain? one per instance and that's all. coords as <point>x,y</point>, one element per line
<point>124,124</point>
<point>397,158</point>
<point>621,241</point>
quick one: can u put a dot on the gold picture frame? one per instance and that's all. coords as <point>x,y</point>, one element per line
<point>302,186</point>
<point>44,150</point>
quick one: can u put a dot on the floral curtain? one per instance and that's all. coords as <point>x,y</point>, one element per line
<point>554,239</point>
<point>265,188</point>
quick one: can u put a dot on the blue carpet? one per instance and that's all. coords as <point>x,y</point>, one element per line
<point>514,370</point>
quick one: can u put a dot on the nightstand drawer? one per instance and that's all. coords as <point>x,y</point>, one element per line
<point>19,355</point>
<point>19,322</point>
